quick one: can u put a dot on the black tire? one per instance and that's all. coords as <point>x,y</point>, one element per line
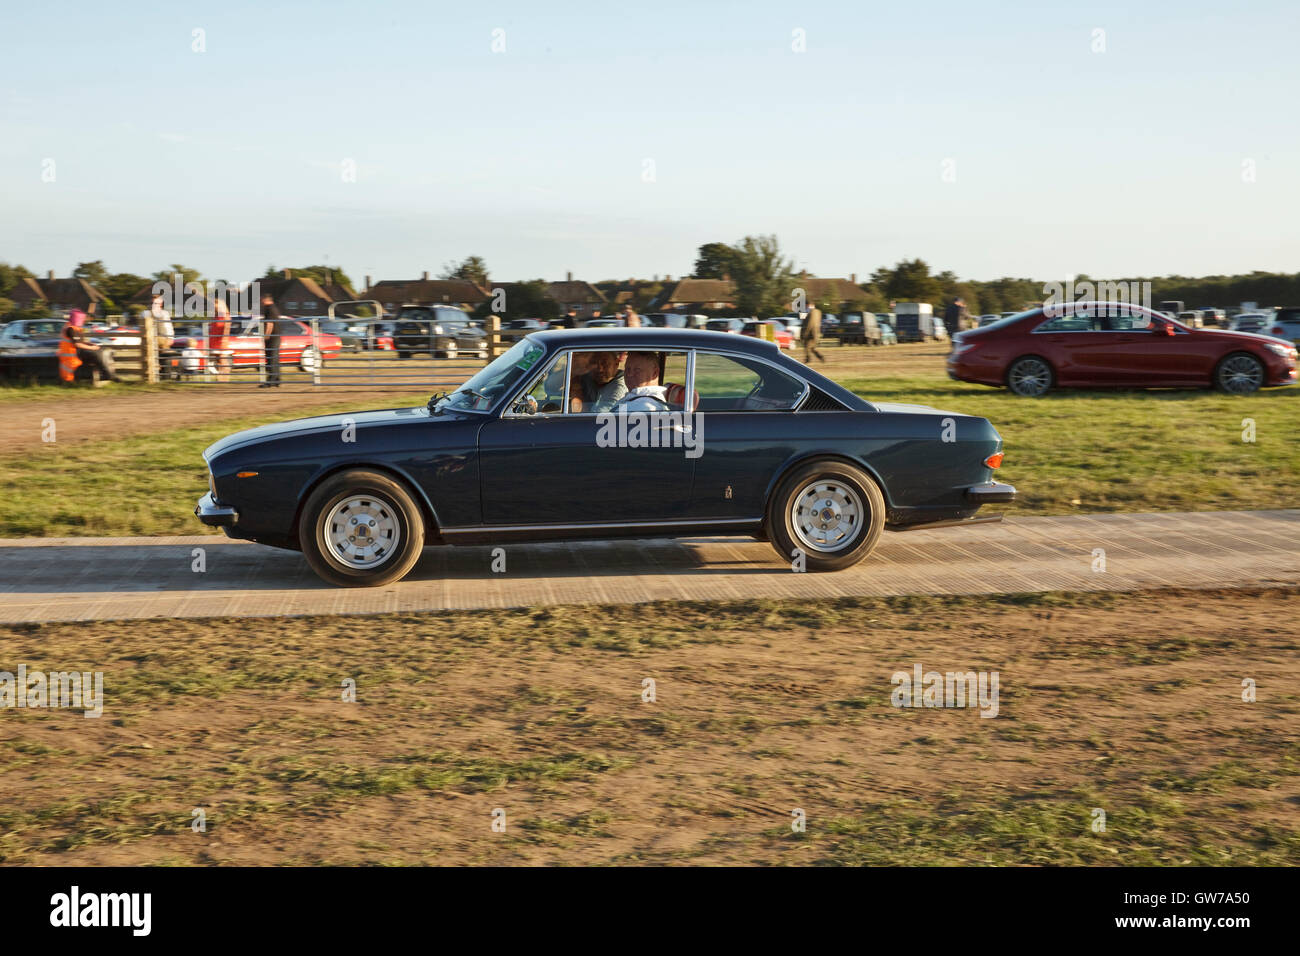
<point>843,484</point>
<point>403,355</point>
<point>389,507</point>
<point>1239,373</point>
<point>1030,377</point>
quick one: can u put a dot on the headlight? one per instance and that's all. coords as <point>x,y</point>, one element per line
<point>437,330</point>
<point>1278,349</point>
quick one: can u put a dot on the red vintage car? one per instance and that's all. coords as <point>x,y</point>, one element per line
<point>783,337</point>
<point>1115,345</point>
<point>297,344</point>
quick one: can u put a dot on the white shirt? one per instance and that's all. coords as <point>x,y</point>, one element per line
<point>163,318</point>
<point>642,399</point>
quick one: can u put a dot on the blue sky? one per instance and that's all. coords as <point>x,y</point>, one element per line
<point>1115,163</point>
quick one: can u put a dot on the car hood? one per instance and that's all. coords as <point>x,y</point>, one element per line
<point>325,424</point>
<point>1248,337</point>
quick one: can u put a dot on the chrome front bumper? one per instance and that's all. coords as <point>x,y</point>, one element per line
<point>211,513</point>
<point>990,492</point>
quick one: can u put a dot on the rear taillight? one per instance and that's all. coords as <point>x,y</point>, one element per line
<point>994,460</point>
<point>1276,330</point>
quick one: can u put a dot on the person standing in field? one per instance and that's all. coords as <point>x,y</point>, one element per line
<point>219,356</point>
<point>811,335</point>
<point>630,318</point>
<point>271,319</point>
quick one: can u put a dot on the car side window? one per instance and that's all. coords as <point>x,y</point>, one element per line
<point>1124,320</point>
<point>1074,322</point>
<point>737,384</point>
<point>545,394</point>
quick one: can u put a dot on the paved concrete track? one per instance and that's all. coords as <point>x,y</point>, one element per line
<point>62,579</point>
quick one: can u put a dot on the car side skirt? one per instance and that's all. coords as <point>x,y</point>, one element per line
<point>490,534</point>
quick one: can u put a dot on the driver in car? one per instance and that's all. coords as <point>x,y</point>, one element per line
<point>644,394</point>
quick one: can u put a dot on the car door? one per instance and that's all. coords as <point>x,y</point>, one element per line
<point>1075,346</point>
<point>745,425</point>
<point>554,467</point>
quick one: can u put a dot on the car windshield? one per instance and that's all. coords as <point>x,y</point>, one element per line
<point>481,392</point>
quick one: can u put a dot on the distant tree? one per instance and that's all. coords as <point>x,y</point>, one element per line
<point>169,275</point>
<point>92,272</point>
<point>764,280</point>
<point>472,268</point>
<point>522,300</point>
<point>908,281</point>
<point>715,261</point>
<point>120,286</point>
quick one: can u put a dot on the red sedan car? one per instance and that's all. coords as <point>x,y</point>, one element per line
<point>297,345</point>
<point>1107,345</point>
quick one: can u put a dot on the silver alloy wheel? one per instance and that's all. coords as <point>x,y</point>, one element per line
<point>1240,374</point>
<point>363,531</point>
<point>309,359</point>
<point>1030,377</point>
<point>827,516</point>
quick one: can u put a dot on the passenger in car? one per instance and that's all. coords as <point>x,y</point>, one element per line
<point>603,384</point>
<point>644,394</point>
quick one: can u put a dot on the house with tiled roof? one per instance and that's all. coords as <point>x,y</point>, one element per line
<point>392,294</point>
<point>57,295</point>
<point>582,297</point>
<point>696,294</point>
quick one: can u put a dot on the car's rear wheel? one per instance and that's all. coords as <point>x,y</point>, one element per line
<point>1239,374</point>
<point>1030,377</point>
<point>361,529</point>
<point>310,359</point>
<point>829,511</point>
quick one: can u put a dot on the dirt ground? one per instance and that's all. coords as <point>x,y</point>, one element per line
<point>1129,705</point>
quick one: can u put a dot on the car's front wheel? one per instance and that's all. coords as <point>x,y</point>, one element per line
<point>1239,374</point>
<point>1030,377</point>
<point>828,514</point>
<point>361,529</point>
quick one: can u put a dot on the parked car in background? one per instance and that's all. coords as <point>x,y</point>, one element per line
<point>1097,344</point>
<point>1250,322</point>
<point>887,334</point>
<point>1191,318</point>
<point>724,325</point>
<point>988,319</point>
<point>514,329</point>
<point>1213,318</point>
<point>793,458</point>
<point>437,330</point>
<point>780,334</point>
<point>1286,324</point>
<point>349,341</point>
<point>604,322</point>
<point>31,334</point>
<point>298,346</point>
<point>665,320</point>
<point>859,328</point>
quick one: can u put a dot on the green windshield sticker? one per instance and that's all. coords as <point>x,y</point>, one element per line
<point>529,359</point>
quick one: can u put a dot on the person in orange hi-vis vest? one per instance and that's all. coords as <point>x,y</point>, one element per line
<point>68,361</point>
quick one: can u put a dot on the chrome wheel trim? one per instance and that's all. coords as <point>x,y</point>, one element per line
<point>827,516</point>
<point>1240,374</point>
<point>1030,377</point>
<point>362,531</point>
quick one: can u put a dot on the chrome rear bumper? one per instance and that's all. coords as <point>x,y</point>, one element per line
<point>990,492</point>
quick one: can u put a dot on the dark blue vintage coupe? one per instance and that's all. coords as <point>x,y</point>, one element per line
<point>602,433</point>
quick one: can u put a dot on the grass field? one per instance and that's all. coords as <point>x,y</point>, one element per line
<point>1068,452</point>
<point>1126,703</point>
